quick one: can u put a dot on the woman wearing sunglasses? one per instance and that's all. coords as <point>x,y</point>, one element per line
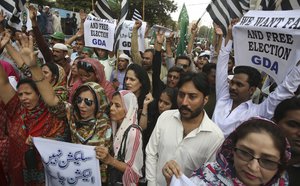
<point>256,153</point>
<point>91,70</point>
<point>127,161</point>
<point>87,116</point>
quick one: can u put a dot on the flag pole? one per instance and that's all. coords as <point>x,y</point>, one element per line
<point>143,10</point>
<point>93,6</point>
<point>200,18</point>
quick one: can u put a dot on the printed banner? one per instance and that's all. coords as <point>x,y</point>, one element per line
<point>125,36</point>
<point>268,41</point>
<point>68,164</point>
<point>99,33</point>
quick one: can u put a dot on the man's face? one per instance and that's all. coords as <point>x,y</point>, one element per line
<point>290,125</point>
<point>122,64</point>
<point>201,61</point>
<point>147,60</point>
<point>239,88</point>
<point>190,101</point>
<point>173,79</point>
<point>184,64</point>
<point>79,45</point>
<point>58,55</point>
<point>101,53</point>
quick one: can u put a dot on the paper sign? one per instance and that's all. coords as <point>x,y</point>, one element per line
<point>268,41</point>
<point>125,36</point>
<point>181,181</point>
<point>68,163</point>
<point>99,33</point>
<point>157,28</point>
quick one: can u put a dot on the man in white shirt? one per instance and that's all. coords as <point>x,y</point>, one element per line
<point>185,135</point>
<point>234,104</point>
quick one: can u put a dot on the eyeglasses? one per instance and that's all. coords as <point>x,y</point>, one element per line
<point>87,101</point>
<point>85,66</point>
<point>264,163</point>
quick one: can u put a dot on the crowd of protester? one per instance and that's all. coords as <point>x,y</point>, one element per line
<point>151,116</point>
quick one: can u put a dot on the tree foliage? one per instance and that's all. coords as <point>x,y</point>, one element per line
<point>156,11</point>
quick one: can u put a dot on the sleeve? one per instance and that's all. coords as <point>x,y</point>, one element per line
<point>170,62</point>
<point>222,87</point>
<point>133,157</point>
<point>216,143</point>
<point>12,106</point>
<point>59,110</point>
<point>42,45</point>
<point>136,56</point>
<point>284,91</point>
<point>152,156</point>
<point>157,84</point>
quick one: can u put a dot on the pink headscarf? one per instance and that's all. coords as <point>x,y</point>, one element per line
<point>101,80</point>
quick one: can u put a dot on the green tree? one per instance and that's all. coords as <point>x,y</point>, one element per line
<point>156,11</point>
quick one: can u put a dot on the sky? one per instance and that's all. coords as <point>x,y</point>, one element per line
<point>195,9</point>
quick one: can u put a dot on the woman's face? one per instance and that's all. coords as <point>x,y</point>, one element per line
<point>117,110</point>
<point>28,97</point>
<point>48,74</point>
<point>74,69</point>
<point>260,145</point>
<point>86,105</point>
<point>164,103</point>
<point>132,82</point>
<point>87,76</point>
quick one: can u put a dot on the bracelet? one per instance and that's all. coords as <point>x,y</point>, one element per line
<point>25,70</point>
<point>40,80</point>
<point>144,114</point>
<point>159,43</point>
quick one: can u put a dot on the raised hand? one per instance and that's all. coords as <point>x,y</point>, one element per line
<point>32,13</point>
<point>137,24</point>
<point>26,50</point>
<point>4,39</point>
<point>2,16</point>
<point>194,29</point>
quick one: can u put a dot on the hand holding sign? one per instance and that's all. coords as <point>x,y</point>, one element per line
<point>102,154</point>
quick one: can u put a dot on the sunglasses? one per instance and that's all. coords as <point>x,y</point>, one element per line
<point>87,101</point>
<point>263,162</point>
<point>85,66</point>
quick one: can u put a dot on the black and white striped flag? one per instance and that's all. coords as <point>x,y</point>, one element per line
<point>124,12</point>
<point>136,16</point>
<point>13,9</point>
<point>222,11</point>
<point>103,10</point>
<point>280,4</point>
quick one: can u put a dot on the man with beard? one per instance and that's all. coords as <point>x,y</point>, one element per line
<point>287,116</point>
<point>118,75</point>
<point>60,52</point>
<point>185,135</point>
<point>234,104</point>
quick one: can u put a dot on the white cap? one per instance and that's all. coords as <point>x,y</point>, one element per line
<point>124,56</point>
<point>60,46</point>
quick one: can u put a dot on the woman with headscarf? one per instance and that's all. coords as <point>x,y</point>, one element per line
<point>127,160</point>
<point>256,153</point>
<point>28,115</point>
<point>90,70</point>
<point>87,116</point>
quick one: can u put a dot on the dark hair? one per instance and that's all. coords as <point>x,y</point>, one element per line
<point>54,69</point>
<point>150,50</point>
<point>286,106</point>
<point>30,82</point>
<point>199,79</point>
<point>175,69</point>
<point>208,67</point>
<point>142,76</point>
<point>172,94</point>
<point>183,57</point>
<point>256,125</point>
<point>79,90</point>
<point>231,57</point>
<point>254,77</point>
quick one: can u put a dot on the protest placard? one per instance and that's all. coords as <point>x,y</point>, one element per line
<point>67,163</point>
<point>268,41</point>
<point>125,36</point>
<point>99,33</point>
